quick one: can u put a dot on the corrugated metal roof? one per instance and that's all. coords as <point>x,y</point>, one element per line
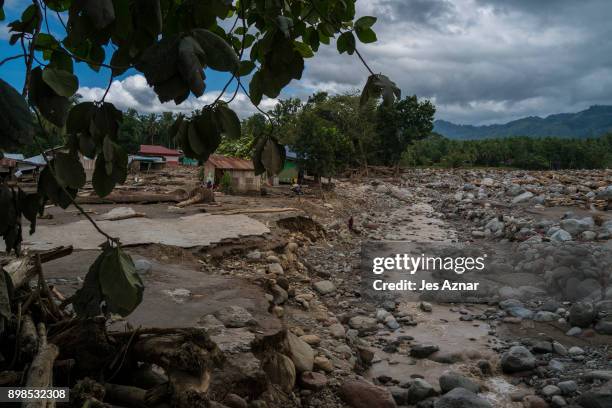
<point>158,150</point>
<point>230,163</point>
<point>14,156</point>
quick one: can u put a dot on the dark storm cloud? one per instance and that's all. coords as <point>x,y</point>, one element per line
<point>484,60</point>
<point>433,13</point>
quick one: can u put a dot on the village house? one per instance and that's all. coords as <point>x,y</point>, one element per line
<point>242,172</point>
<point>170,156</point>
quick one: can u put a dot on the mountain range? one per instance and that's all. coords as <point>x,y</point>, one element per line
<point>592,122</point>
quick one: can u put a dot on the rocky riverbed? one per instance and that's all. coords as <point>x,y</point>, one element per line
<point>291,312</point>
<point>544,343</point>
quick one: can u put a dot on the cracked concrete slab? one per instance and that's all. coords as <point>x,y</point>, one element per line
<point>186,232</point>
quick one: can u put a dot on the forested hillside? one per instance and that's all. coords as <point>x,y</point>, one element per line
<point>593,122</point>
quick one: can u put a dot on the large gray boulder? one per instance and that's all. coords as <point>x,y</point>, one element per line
<point>582,314</point>
<point>517,359</point>
<point>451,380</point>
<point>597,397</point>
<point>461,398</point>
<point>575,227</point>
<point>235,316</point>
<point>419,390</point>
<point>300,353</point>
<point>363,394</point>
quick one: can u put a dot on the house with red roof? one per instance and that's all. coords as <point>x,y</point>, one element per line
<point>170,156</point>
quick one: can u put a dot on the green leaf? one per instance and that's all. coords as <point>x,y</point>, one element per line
<point>303,49</point>
<point>366,35</point>
<point>69,170</point>
<point>62,82</point>
<point>365,22</point>
<point>52,106</point>
<point>257,153</point>
<point>271,157</point>
<point>230,124</point>
<point>16,122</point>
<point>58,5</point>
<point>255,88</point>
<point>79,117</point>
<point>88,299</point>
<point>48,188</point>
<point>220,55</point>
<point>120,285</point>
<point>100,12</point>
<point>45,41</point>
<point>246,67</point>
<point>191,60</point>
<point>60,60</point>
<point>105,122</point>
<point>158,62</point>
<point>346,43</point>
<point>2,15</point>
<point>380,85</point>
<point>104,181</point>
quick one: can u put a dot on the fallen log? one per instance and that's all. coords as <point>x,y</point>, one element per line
<point>187,356</point>
<point>138,198</point>
<point>27,339</point>
<point>197,196</point>
<point>40,374</point>
<point>253,211</point>
<point>21,271</point>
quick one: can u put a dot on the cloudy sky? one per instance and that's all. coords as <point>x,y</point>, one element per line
<point>480,61</point>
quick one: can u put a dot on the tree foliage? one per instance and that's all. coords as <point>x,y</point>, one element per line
<point>522,152</point>
<point>172,43</point>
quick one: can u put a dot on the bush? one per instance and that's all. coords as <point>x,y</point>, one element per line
<point>226,183</point>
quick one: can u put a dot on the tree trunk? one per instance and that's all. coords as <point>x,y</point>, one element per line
<point>40,374</point>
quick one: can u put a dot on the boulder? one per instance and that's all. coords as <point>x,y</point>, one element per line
<point>363,324</point>
<point>451,380</point>
<point>575,227</point>
<point>419,390</point>
<point>600,397</point>
<point>313,381</point>
<point>325,287</point>
<point>521,198</point>
<point>423,350</point>
<point>235,316</point>
<point>337,331</point>
<point>461,398</point>
<point>280,370</point>
<point>517,359</point>
<point>604,326</point>
<point>300,353</point>
<point>363,394</point>
<point>582,314</point>
<point>561,235</point>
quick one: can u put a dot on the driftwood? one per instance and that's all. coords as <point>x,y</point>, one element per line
<point>28,338</point>
<point>255,211</point>
<point>187,357</point>
<point>197,196</point>
<point>21,271</point>
<point>134,198</point>
<point>40,374</point>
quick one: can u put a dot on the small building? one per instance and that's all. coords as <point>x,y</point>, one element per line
<point>145,163</point>
<point>170,156</point>
<point>290,172</point>
<point>242,172</point>
<point>15,166</point>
